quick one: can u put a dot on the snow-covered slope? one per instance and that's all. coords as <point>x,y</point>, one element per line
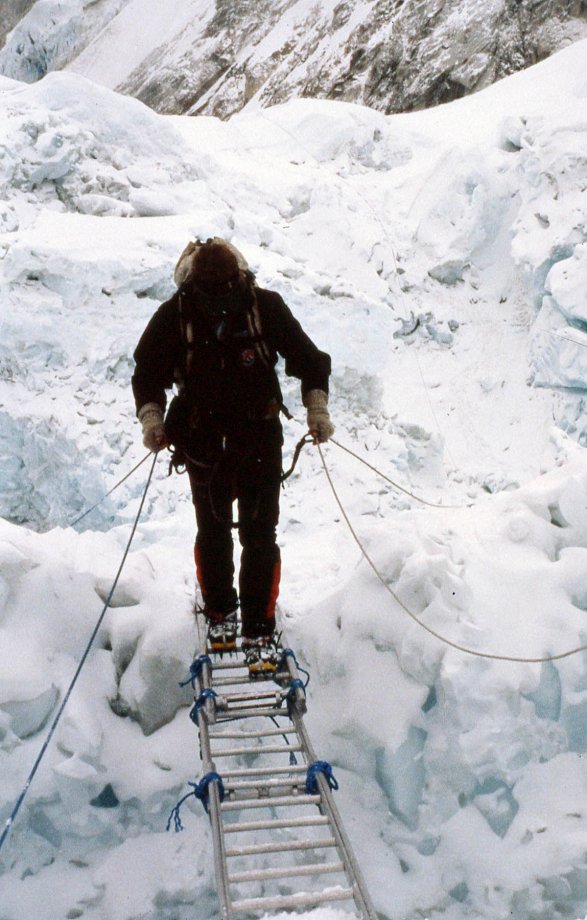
<point>216,58</point>
<point>439,257</point>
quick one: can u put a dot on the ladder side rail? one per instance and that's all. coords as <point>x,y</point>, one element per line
<point>362,897</point>
<point>214,804</point>
<point>206,715</point>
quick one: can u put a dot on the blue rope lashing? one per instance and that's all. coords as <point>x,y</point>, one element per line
<point>319,766</point>
<point>206,694</point>
<point>289,653</point>
<point>175,811</point>
<point>199,791</point>
<point>196,668</point>
<point>290,699</point>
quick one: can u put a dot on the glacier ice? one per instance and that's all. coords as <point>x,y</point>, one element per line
<point>463,778</point>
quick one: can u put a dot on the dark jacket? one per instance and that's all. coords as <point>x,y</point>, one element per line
<point>227,373</point>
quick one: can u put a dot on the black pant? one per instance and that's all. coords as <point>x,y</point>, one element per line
<point>238,461</point>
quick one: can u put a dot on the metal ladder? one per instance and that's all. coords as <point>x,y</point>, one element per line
<point>237,718</point>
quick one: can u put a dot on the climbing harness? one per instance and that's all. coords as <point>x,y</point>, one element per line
<point>416,619</point>
<point>227,467</point>
<point>83,660</point>
<point>301,818</point>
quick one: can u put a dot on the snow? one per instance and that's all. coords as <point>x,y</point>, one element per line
<point>440,257</point>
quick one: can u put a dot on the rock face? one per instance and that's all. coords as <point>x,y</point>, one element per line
<point>389,54</point>
<point>12,12</point>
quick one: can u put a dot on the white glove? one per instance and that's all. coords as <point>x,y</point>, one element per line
<point>151,418</point>
<point>319,424</point>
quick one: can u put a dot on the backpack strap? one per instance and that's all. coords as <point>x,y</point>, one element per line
<point>186,331</point>
<point>255,329</point>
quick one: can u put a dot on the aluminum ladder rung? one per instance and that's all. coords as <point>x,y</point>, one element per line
<point>265,793</point>
<point>230,714</point>
<point>303,899</point>
<point>246,680</point>
<point>289,846</point>
<point>261,875</point>
<point>264,784</point>
<point>228,665</point>
<point>229,698</point>
<point>264,771</point>
<point>232,681</point>
<point>268,749</point>
<point>275,824</point>
<point>281,802</point>
<point>265,733</point>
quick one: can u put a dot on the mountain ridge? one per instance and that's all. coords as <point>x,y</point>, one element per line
<point>189,59</point>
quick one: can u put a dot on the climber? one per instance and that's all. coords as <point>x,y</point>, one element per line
<point>218,339</point>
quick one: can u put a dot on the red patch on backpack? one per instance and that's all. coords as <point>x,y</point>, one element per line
<point>248,357</point>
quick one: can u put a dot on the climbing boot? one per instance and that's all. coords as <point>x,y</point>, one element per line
<point>222,630</point>
<point>261,656</point>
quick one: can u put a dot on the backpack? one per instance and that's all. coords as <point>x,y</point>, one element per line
<point>181,276</point>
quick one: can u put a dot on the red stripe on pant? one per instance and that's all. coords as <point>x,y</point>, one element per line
<point>274,592</point>
<point>199,572</point>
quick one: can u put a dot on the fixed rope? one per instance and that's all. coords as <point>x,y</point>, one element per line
<point>110,491</point>
<point>395,485</point>
<point>460,648</point>
<point>69,691</point>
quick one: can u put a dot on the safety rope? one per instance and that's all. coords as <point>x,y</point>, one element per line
<point>416,619</point>
<point>110,491</point>
<point>61,709</point>
<point>307,439</point>
<point>391,482</point>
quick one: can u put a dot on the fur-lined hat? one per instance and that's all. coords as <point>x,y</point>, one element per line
<point>211,263</point>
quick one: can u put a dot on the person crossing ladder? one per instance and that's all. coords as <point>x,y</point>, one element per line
<point>218,340</point>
